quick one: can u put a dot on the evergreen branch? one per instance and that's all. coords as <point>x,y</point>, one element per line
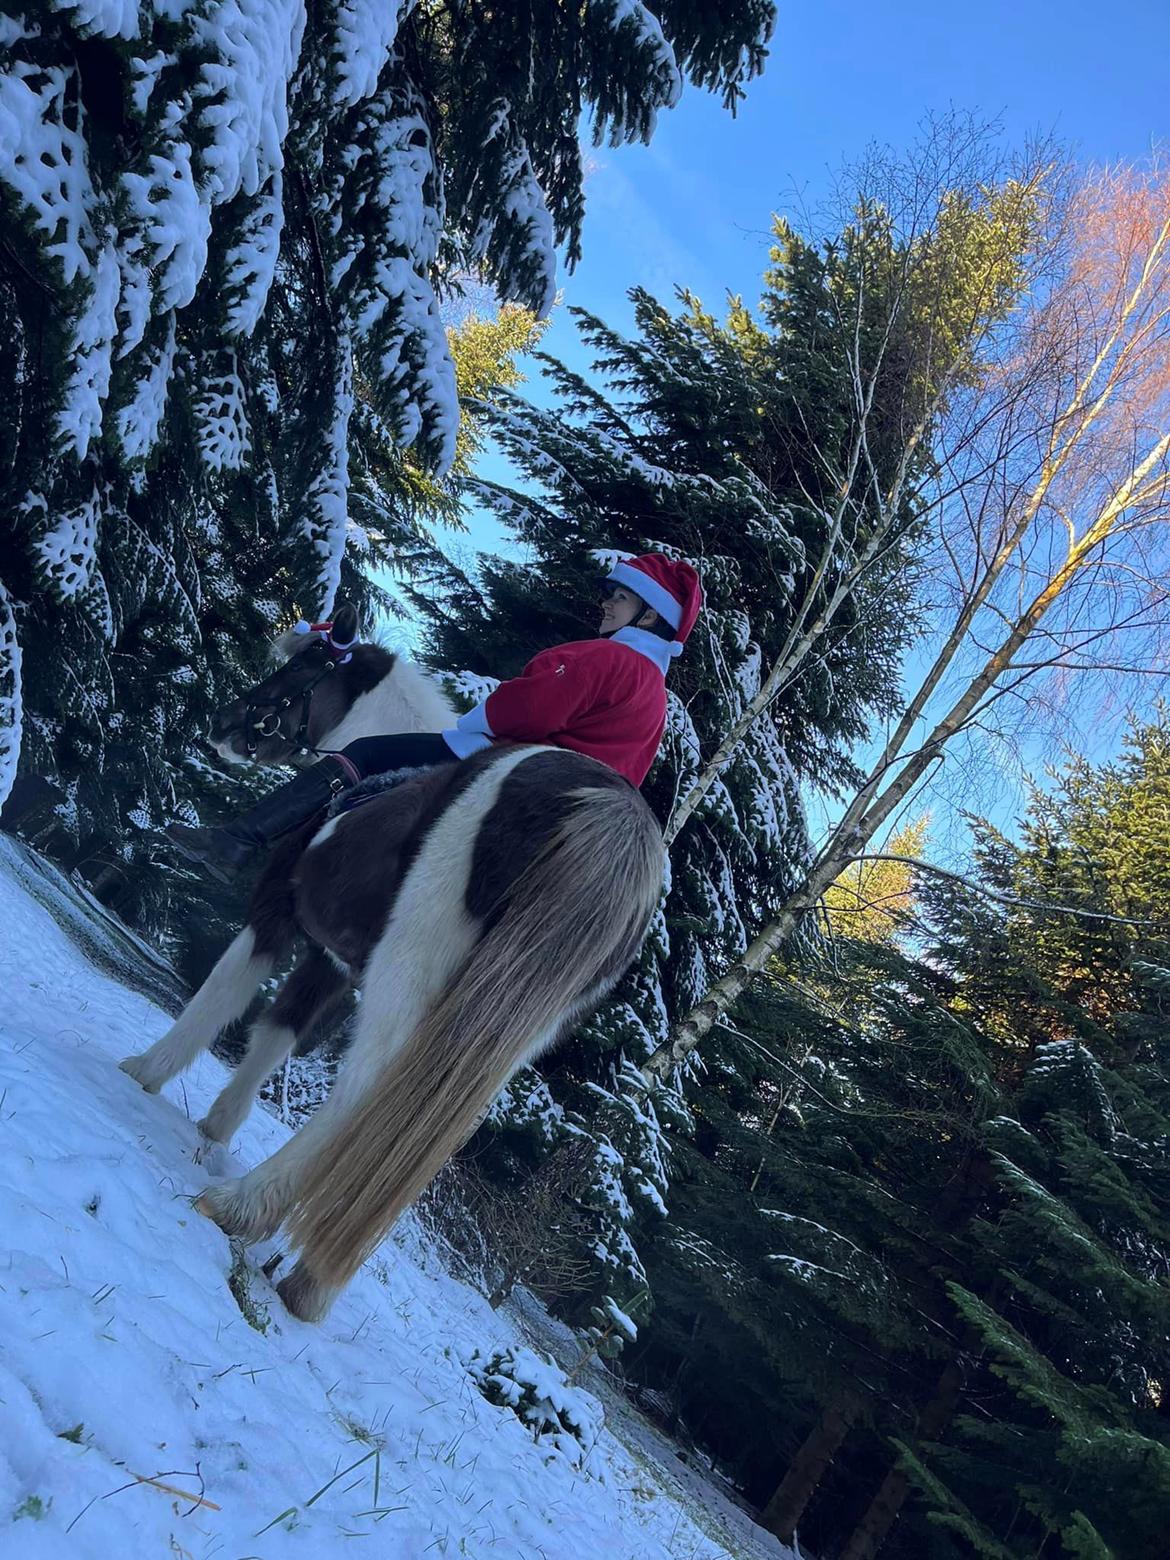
<point>1006,899</point>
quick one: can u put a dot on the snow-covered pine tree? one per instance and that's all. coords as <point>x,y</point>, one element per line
<point>676,450</point>
<point>227,225</point>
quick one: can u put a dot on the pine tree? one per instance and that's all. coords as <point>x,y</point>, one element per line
<point>819,1174</point>
<point>1065,1293</point>
<point>677,449</point>
<point>953,1158</point>
<point>228,230</point>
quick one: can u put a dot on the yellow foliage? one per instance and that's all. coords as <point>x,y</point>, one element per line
<point>870,898</point>
<point>484,352</point>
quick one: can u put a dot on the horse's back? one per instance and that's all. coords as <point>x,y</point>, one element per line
<point>534,804</point>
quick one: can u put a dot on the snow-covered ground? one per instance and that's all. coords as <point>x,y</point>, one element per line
<point>155,1398</point>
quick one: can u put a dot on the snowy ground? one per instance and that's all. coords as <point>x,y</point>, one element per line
<point>147,1411</point>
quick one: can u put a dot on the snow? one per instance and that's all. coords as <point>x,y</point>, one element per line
<point>11,707</point>
<point>66,553</point>
<point>43,161</point>
<point>326,525</point>
<point>253,48</point>
<point>643,37</point>
<point>525,243</point>
<point>250,263</point>
<point>222,431</point>
<point>172,216</point>
<point>105,18</point>
<point>624,1324</point>
<point>79,419</point>
<point>365,34</point>
<point>146,1408</point>
<point>139,422</point>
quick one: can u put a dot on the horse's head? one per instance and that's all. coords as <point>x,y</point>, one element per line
<point>322,671</point>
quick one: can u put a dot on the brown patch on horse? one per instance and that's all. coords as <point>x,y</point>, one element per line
<point>272,908</point>
<point>345,887</point>
<point>311,994</point>
<point>534,800</point>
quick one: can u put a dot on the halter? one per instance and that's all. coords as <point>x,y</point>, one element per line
<point>256,729</point>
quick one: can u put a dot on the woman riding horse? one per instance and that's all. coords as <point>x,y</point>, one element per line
<point>604,697</point>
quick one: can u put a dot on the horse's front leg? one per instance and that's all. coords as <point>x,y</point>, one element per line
<point>223,996</point>
<point>313,989</point>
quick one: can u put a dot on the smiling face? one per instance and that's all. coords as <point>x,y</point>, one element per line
<point>620,608</point>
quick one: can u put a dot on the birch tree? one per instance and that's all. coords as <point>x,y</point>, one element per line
<point>1044,536</point>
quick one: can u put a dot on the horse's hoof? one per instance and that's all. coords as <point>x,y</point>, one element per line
<point>236,1214</point>
<point>215,1129</point>
<point>138,1068</point>
<point>304,1296</point>
<point>204,1205</point>
<point>220,1206</point>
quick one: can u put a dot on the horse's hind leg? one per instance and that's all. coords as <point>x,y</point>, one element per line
<point>314,988</point>
<point>417,955</point>
<point>253,1206</point>
<point>223,996</point>
<point>421,951</point>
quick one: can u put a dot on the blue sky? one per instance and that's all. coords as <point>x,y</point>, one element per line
<point>694,207</point>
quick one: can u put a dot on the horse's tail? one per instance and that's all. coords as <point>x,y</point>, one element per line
<point>567,929</point>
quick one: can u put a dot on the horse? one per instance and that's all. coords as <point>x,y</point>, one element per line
<point>483,907</point>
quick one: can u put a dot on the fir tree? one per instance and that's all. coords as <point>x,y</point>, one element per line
<point>228,228</point>
<point>955,1166</point>
<point>1065,1294</point>
<point>676,449</point>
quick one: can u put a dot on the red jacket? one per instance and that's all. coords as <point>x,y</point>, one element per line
<point>595,696</point>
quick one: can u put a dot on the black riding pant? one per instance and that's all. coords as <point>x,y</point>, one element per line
<point>402,750</point>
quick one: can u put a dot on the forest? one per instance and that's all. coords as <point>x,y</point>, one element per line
<point>858,1184</point>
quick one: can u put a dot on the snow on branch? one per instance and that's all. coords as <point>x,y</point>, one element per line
<point>514,236</point>
<point>624,116</point>
<point>241,93</point>
<point>326,523</point>
<point>66,551</point>
<point>385,222</point>
<point>364,34</point>
<point>10,697</point>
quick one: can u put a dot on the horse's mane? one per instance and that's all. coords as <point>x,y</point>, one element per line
<point>405,697</point>
<point>395,694</point>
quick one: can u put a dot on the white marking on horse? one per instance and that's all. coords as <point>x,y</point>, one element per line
<point>268,1045</point>
<point>427,939</point>
<point>405,700</point>
<point>223,996</point>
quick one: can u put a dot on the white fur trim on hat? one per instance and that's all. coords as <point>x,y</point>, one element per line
<point>651,592</point>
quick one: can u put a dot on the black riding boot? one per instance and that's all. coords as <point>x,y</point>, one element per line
<point>231,847</point>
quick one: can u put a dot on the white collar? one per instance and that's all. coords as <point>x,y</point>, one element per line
<point>661,651</point>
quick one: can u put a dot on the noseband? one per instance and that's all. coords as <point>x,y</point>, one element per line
<point>269,725</point>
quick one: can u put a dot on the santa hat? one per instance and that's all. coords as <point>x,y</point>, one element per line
<point>343,650</point>
<point>669,585</point>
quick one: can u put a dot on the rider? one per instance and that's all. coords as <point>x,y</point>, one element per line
<point>605,697</point>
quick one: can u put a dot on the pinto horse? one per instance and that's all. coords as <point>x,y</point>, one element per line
<point>483,907</point>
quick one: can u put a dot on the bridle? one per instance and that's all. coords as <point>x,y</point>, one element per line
<point>268,725</point>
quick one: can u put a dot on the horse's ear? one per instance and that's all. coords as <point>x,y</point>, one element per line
<point>345,624</point>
